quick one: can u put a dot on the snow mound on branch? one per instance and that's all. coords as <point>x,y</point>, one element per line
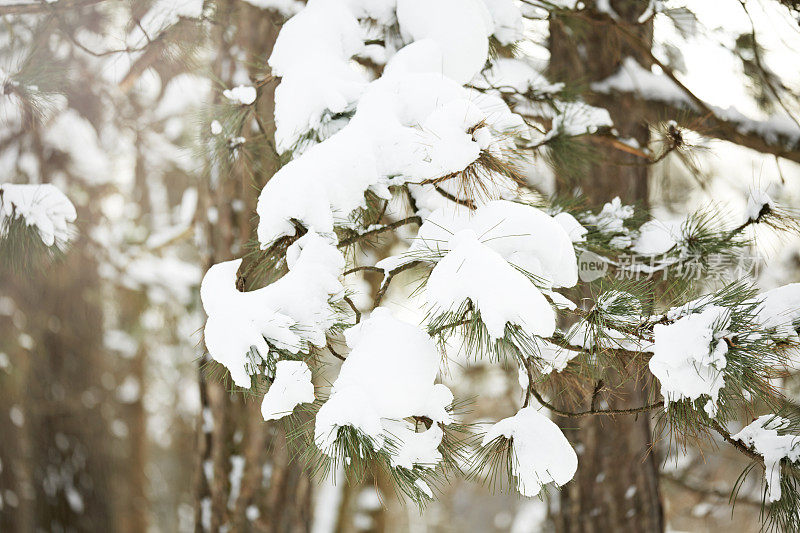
<point>657,237</point>
<point>292,386</point>
<point>521,234</point>
<point>634,78</point>
<point>315,71</point>
<point>473,271</point>
<point>756,201</point>
<point>540,452</point>
<point>461,28</point>
<point>507,22</point>
<point>380,11</point>
<point>408,125</point>
<point>576,232</point>
<point>242,94</point>
<point>689,358</point>
<point>780,308</point>
<point>43,207</point>
<point>517,75</point>
<point>292,313</point>
<point>762,435</point>
<point>411,448</point>
<point>553,358</point>
<point>389,374</point>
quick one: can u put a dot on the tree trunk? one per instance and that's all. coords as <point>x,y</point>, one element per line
<point>616,486</point>
<point>56,454</point>
<point>247,481</point>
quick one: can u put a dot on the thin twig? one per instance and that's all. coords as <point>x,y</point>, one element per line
<point>394,225</point>
<point>592,412</point>
<point>354,308</point>
<point>389,276</point>
<point>364,268</point>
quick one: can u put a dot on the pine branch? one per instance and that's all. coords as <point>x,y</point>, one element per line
<point>377,231</point>
<point>364,268</point>
<point>704,114</point>
<point>389,276</point>
<point>592,411</point>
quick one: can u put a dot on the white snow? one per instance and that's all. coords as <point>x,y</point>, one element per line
<point>241,94</point>
<point>634,78</point>
<point>292,386</point>
<point>656,237</point>
<point>762,435</point>
<point>540,452</point>
<point>521,234</point>
<point>780,308</point>
<point>612,217</point>
<point>506,20</point>
<point>287,8</point>
<point>292,313</point>
<point>388,374</point>
<point>409,125</point>
<point>43,207</point>
<point>578,118</point>
<point>473,271</point>
<point>553,358</point>
<point>316,76</point>
<point>576,232</point>
<point>689,358</point>
<point>756,202</point>
<point>461,28</point>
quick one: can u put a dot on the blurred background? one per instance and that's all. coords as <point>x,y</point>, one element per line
<point>107,420</point>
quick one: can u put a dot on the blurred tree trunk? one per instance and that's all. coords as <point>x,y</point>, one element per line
<point>616,486</point>
<point>246,479</point>
<point>57,458</point>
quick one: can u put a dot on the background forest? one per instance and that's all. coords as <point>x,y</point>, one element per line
<point>112,416</point>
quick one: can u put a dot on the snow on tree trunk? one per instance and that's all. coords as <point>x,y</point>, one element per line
<point>616,487</point>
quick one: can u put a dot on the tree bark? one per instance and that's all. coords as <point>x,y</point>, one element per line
<point>616,485</point>
<point>246,478</point>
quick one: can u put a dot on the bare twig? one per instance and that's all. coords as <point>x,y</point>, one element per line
<point>377,231</point>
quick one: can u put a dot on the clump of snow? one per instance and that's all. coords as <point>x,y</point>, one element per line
<point>612,217</point>
<point>409,125</point>
<point>611,221</point>
<point>292,386</point>
<point>43,207</point>
<point>689,357</point>
<point>317,79</point>
<point>512,74</point>
<point>656,237</point>
<point>578,118</point>
<point>780,308</point>
<point>461,28</point>
<point>242,94</point>
<point>553,358</point>
<point>388,376</point>
<point>507,22</point>
<point>521,234</point>
<point>762,435</point>
<point>540,452</point>
<point>291,313</point>
<point>576,232</point>
<point>634,78</point>
<point>473,271</point>
<point>756,202</point>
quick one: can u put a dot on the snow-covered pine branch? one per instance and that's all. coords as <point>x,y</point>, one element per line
<point>427,135</point>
